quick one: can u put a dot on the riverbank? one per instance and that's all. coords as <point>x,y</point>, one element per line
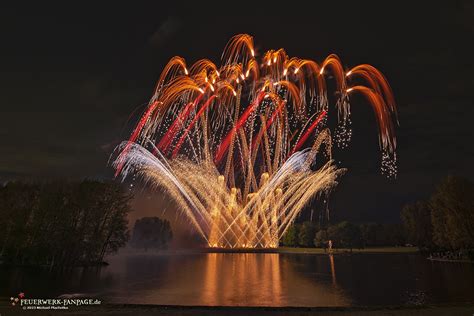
<point>282,250</point>
<point>315,251</point>
<point>145,310</point>
<point>369,250</point>
<point>449,260</point>
<point>29,265</point>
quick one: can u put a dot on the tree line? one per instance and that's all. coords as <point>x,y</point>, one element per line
<point>344,235</point>
<point>62,223</point>
<point>445,221</point>
<point>442,223</point>
<point>151,233</point>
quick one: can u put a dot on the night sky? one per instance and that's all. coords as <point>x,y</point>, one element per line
<point>72,74</point>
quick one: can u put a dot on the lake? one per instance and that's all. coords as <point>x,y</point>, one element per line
<point>254,279</point>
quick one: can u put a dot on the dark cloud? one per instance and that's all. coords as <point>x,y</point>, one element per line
<point>164,31</point>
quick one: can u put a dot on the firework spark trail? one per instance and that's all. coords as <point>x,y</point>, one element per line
<point>191,125</point>
<point>190,186</point>
<point>137,156</point>
<point>135,135</point>
<point>308,131</point>
<point>240,174</point>
<point>242,120</point>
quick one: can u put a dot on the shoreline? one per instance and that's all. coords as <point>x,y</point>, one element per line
<point>312,251</point>
<point>195,251</point>
<point>284,250</point>
<point>345,251</point>
<point>450,260</point>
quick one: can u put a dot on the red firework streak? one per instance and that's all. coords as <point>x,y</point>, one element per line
<point>191,125</point>
<point>134,136</point>
<point>226,142</point>
<point>169,136</point>
<point>308,132</point>
<point>268,124</point>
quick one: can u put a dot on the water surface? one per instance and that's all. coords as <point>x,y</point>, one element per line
<point>252,279</point>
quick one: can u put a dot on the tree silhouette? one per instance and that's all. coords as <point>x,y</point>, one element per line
<point>62,223</point>
<point>151,232</point>
<point>452,213</point>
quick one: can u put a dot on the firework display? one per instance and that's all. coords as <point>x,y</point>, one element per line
<point>236,146</point>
